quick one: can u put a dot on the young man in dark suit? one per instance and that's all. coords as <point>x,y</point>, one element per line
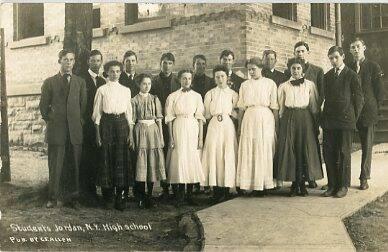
<point>371,77</point>
<point>227,59</point>
<point>201,83</point>
<point>343,104</point>
<point>269,71</point>
<point>313,73</point>
<point>163,85</point>
<point>62,106</point>
<point>90,152</point>
<point>128,76</point>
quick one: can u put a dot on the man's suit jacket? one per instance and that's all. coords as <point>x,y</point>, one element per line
<point>91,89</point>
<point>315,74</point>
<point>235,82</point>
<point>343,99</point>
<point>277,76</point>
<point>162,91</point>
<point>373,88</point>
<point>64,115</point>
<point>202,84</point>
<point>131,84</point>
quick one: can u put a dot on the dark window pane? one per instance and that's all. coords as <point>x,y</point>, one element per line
<point>285,10</point>
<point>384,12</point>
<point>30,20</point>
<point>365,17</point>
<point>97,18</point>
<point>131,13</point>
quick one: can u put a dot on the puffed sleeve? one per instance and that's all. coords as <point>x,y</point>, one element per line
<point>274,96</point>
<point>208,98</point>
<point>240,103</point>
<point>158,106</point>
<point>200,109</point>
<point>281,98</point>
<point>134,110</point>
<point>97,107</point>
<point>234,101</point>
<point>170,113</point>
<point>314,98</point>
<point>128,112</point>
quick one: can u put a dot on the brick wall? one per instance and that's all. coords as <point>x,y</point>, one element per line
<point>195,28</point>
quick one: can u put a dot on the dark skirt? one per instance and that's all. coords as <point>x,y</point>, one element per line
<point>116,169</point>
<point>297,157</point>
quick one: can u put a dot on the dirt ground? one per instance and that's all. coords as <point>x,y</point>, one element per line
<point>368,227</point>
<point>22,204</point>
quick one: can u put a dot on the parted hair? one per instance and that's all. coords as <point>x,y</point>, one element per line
<point>111,63</point>
<point>293,61</point>
<point>222,68</point>
<point>62,53</point>
<point>141,77</point>
<point>184,71</point>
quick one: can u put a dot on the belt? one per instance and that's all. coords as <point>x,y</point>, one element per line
<point>297,108</point>
<point>147,122</point>
<point>184,116</point>
<point>114,116</point>
<point>220,117</point>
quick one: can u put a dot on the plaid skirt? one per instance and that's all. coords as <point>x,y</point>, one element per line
<point>116,169</point>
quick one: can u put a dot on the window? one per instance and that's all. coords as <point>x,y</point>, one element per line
<point>320,15</point>
<point>96,16</point>
<point>143,11</point>
<point>28,20</point>
<point>373,16</point>
<point>285,10</point>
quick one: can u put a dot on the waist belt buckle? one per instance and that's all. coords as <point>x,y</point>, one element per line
<point>220,118</point>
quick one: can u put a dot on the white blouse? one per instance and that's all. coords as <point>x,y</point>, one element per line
<point>302,96</point>
<point>220,101</point>
<point>181,103</point>
<point>112,98</point>
<point>261,92</point>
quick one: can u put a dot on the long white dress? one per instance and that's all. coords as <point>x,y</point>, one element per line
<point>219,157</point>
<point>257,140</point>
<point>183,161</point>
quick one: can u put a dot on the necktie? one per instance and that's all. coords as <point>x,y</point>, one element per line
<point>297,82</point>
<point>66,80</point>
<point>336,71</point>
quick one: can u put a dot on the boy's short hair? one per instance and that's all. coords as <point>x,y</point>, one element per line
<point>167,56</point>
<point>198,56</point>
<point>226,53</point>
<point>128,54</point>
<point>94,53</point>
<point>268,52</point>
<point>181,72</point>
<point>219,68</point>
<point>302,43</point>
<point>334,49</point>
<point>112,63</point>
<point>62,53</point>
<point>358,39</point>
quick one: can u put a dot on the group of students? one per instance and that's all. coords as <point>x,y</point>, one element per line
<point>222,132</point>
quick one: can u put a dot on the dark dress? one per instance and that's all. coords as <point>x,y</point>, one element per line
<point>297,156</point>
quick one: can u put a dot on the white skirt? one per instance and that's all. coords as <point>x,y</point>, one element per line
<point>256,150</point>
<point>184,160</point>
<point>219,157</point>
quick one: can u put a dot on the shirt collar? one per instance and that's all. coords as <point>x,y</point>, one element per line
<point>112,82</point>
<point>341,67</point>
<point>129,75</point>
<point>230,73</point>
<point>93,74</point>
<point>60,72</point>
<point>143,94</point>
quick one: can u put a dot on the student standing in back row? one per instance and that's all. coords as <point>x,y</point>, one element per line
<point>371,77</point>
<point>343,103</point>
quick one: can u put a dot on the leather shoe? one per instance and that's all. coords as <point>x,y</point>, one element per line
<point>141,204</point>
<point>313,184</point>
<point>329,192</point>
<point>293,192</point>
<point>364,184</point>
<point>50,204</point>
<point>341,192</point>
<point>325,187</point>
<point>303,191</point>
<point>120,204</point>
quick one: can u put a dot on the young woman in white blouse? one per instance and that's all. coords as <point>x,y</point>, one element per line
<point>258,117</point>
<point>298,155</point>
<point>219,157</point>
<point>184,116</point>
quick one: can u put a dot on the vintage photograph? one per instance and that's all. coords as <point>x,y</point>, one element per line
<point>156,126</point>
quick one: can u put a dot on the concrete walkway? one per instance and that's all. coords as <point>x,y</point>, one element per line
<point>280,223</point>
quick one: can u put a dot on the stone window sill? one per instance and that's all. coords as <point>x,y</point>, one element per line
<point>21,90</point>
<point>286,22</point>
<point>322,33</point>
<point>145,26</point>
<point>35,41</point>
<point>99,32</point>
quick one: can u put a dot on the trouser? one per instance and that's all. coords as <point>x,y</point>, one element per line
<point>91,159</point>
<point>366,135</point>
<point>63,162</point>
<point>337,146</point>
<point>140,190</point>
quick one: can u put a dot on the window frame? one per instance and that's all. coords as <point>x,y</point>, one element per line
<point>358,19</point>
<point>326,14</point>
<point>294,12</point>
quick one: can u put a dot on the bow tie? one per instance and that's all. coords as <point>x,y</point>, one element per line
<point>186,89</point>
<point>297,82</point>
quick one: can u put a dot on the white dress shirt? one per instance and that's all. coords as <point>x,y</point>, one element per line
<point>94,76</point>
